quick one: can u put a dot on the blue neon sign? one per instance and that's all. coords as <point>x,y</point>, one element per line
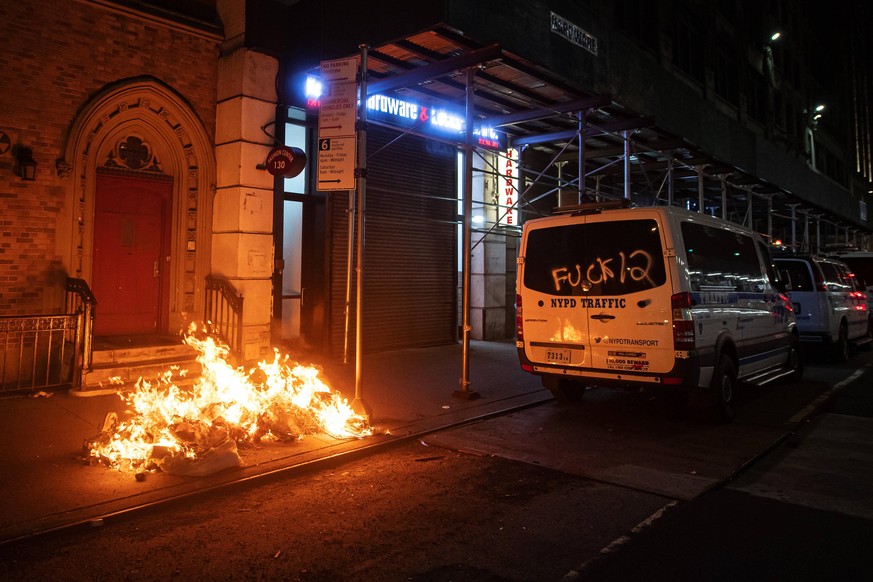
<point>420,118</point>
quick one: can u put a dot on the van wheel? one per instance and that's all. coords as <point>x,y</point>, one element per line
<point>724,385</point>
<point>795,361</point>
<point>564,390</point>
<point>841,347</point>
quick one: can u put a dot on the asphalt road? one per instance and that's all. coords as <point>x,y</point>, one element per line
<point>616,487</point>
<point>802,512</point>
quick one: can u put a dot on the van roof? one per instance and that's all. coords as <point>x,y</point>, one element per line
<point>676,211</point>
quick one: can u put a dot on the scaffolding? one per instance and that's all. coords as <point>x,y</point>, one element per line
<point>580,147</point>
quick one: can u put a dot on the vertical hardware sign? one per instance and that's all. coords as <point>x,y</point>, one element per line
<point>507,186</point>
<point>337,143</point>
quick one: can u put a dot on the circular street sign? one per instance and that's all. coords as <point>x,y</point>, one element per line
<point>286,161</point>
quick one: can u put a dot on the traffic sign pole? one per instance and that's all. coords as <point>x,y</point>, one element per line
<point>359,405</point>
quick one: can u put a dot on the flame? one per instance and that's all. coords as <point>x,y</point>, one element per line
<point>567,333</point>
<point>278,400</point>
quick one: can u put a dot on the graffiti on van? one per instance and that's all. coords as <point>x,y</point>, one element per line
<point>634,266</point>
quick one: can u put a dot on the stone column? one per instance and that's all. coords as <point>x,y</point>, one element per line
<point>242,245</point>
<point>488,264</point>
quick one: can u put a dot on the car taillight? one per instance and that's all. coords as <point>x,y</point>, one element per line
<point>683,326</point>
<point>519,332</point>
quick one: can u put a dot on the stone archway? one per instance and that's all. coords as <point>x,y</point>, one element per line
<point>141,128</point>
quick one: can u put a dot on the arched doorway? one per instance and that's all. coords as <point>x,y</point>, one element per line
<point>144,171</point>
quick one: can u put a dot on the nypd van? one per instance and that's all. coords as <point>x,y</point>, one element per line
<point>651,297</point>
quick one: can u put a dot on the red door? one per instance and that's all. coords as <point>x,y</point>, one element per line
<point>131,255</point>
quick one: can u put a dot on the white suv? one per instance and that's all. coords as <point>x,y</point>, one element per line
<point>861,263</point>
<point>831,310</point>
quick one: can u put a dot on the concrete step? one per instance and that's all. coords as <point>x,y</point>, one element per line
<point>119,367</point>
<point>112,355</point>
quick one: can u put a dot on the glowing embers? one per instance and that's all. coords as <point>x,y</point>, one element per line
<point>195,430</point>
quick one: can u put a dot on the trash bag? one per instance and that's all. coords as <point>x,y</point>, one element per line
<point>221,456</point>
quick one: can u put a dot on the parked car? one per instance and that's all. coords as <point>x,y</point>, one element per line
<point>831,310</point>
<point>651,297</point>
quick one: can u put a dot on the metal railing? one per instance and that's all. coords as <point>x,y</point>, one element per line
<point>39,351</point>
<point>224,310</point>
<point>48,351</point>
<point>80,299</point>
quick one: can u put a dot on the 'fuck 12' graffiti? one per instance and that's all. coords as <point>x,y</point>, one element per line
<point>634,266</point>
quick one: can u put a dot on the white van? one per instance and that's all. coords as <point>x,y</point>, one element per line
<point>830,307</point>
<point>643,297</point>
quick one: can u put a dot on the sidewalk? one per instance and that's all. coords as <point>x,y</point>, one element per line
<point>47,484</point>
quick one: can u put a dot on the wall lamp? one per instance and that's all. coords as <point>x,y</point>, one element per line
<point>26,164</point>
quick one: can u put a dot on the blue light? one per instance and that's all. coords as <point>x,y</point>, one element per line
<point>314,88</point>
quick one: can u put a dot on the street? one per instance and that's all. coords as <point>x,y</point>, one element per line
<point>618,486</point>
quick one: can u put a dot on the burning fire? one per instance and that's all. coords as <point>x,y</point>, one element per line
<point>171,428</point>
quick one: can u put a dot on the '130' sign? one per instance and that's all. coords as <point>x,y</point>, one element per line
<point>286,161</point>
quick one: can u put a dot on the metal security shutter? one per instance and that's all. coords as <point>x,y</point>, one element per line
<point>410,267</point>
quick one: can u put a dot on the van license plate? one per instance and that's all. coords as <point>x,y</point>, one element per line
<point>558,356</point>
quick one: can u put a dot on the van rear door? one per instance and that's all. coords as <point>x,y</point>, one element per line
<point>596,294</point>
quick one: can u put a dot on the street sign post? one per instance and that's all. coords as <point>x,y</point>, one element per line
<point>337,143</point>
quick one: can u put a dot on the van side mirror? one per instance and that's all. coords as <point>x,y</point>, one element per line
<point>784,283</point>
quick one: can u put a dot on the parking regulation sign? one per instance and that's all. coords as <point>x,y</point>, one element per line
<point>336,163</point>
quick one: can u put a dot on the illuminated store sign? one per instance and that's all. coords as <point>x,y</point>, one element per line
<point>507,186</point>
<point>423,119</point>
<point>427,119</point>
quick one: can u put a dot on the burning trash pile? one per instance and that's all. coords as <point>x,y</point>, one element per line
<point>196,430</point>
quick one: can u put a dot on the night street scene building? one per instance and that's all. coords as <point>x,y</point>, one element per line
<point>139,141</point>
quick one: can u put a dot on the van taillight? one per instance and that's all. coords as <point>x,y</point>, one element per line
<point>519,332</point>
<point>683,326</point>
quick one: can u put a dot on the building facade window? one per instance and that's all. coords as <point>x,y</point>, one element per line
<point>295,192</point>
<point>638,20</point>
<point>688,46</point>
<point>726,74</point>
